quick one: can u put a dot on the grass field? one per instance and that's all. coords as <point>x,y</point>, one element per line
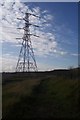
<point>49,96</point>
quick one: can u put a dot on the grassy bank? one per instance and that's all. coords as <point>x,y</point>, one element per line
<point>49,96</point>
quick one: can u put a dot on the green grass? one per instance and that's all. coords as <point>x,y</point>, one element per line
<point>47,97</point>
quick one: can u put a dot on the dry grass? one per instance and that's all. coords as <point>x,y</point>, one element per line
<point>52,96</point>
<point>13,92</point>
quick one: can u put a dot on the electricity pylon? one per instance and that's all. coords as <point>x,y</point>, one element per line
<point>26,61</point>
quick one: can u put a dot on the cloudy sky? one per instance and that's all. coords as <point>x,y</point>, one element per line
<point>57,46</point>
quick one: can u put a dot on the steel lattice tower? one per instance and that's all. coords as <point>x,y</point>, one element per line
<point>26,61</point>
